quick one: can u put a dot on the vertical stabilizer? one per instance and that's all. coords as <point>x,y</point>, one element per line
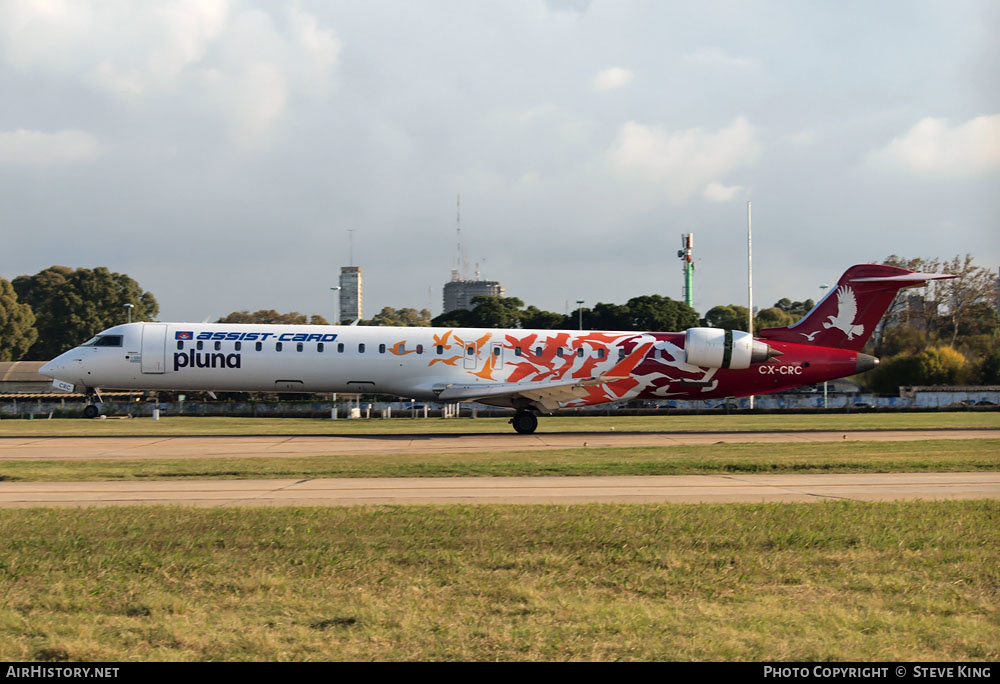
<point>848,314</point>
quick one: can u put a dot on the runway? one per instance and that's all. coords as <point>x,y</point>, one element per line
<point>507,490</point>
<point>277,446</point>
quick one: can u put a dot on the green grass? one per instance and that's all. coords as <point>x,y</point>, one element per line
<point>841,581</point>
<point>173,425</point>
<point>831,457</point>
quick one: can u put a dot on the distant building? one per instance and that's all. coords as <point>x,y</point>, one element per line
<point>918,311</point>
<point>458,294</point>
<point>350,293</point>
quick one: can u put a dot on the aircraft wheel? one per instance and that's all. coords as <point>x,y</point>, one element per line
<point>524,422</point>
<point>91,411</point>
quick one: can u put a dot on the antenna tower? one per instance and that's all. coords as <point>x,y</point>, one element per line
<point>687,261</point>
<point>461,271</point>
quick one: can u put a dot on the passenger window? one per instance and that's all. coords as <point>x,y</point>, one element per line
<point>440,349</point>
<point>470,351</point>
<point>259,346</point>
<point>538,351</point>
<point>340,347</point>
<point>559,352</point>
<point>600,353</point>
<point>238,346</point>
<point>579,352</point>
<point>319,346</point>
<point>201,345</point>
<point>277,346</point>
<point>361,348</point>
<point>381,349</point>
<point>517,351</point>
<point>496,351</point>
<point>420,349</point>
<point>218,346</point>
<point>621,353</point>
<point>180,344</point>
<point>298,347</point>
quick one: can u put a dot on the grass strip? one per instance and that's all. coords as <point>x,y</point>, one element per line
<point>840,581</point>
<point>831,457</point>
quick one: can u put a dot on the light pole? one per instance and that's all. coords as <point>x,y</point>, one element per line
<point>579,304</point>
<point>336,309</point>
<point>823,287</point>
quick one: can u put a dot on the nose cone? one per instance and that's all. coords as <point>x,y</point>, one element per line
<point>57,367</point>
<point>49,369</point>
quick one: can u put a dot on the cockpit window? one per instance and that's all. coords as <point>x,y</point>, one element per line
<point>109,341</point>
<point>103,341</point>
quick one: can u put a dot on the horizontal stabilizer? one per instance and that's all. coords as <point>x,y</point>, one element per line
<point>905,278</point>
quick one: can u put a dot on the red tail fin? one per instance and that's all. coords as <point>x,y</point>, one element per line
<point>848,314</point>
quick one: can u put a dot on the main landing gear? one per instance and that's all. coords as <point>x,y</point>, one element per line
<point>524,422</point>
<point>92,410</point>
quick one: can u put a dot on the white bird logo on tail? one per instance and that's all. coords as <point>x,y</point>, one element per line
<point>847,310</point>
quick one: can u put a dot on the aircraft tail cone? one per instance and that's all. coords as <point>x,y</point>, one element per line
<point>865,363</point>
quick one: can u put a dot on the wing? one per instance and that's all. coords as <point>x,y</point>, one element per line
<point>546,396</point>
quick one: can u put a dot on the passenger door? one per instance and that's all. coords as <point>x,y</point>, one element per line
<point>154,347</point>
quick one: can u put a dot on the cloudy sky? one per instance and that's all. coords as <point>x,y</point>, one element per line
<point>219,151</point>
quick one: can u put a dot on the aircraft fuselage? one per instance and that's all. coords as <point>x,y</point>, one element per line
<point>419,363</point>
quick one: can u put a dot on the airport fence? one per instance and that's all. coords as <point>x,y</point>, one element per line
<point>44,407</point>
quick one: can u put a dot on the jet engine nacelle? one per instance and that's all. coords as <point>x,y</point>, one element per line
<point>716,348</point>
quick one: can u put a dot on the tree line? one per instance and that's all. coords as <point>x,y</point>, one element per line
<point>945,333</point>
<point>43,315</point>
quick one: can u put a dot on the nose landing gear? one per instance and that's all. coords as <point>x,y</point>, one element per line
<point>92,410</point>
<point>524,422</point>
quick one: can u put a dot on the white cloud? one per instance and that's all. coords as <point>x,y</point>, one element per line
<point>126,48</point>
<point>254,98</point>
<point>568,6</point>
<point>933,147</point>
<point>717,192</point>
<point>35,148</point>
<point>720,59</point>
<point>537,113</point>
<point>610,79</point>
<point>214,54</point>
<point>803,138</point>
<point>683,161</point>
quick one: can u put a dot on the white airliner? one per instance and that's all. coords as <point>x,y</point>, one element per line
<point>530,371</point>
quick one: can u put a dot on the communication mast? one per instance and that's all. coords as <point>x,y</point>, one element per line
<point>687,261</point>
<point>460,272</point>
